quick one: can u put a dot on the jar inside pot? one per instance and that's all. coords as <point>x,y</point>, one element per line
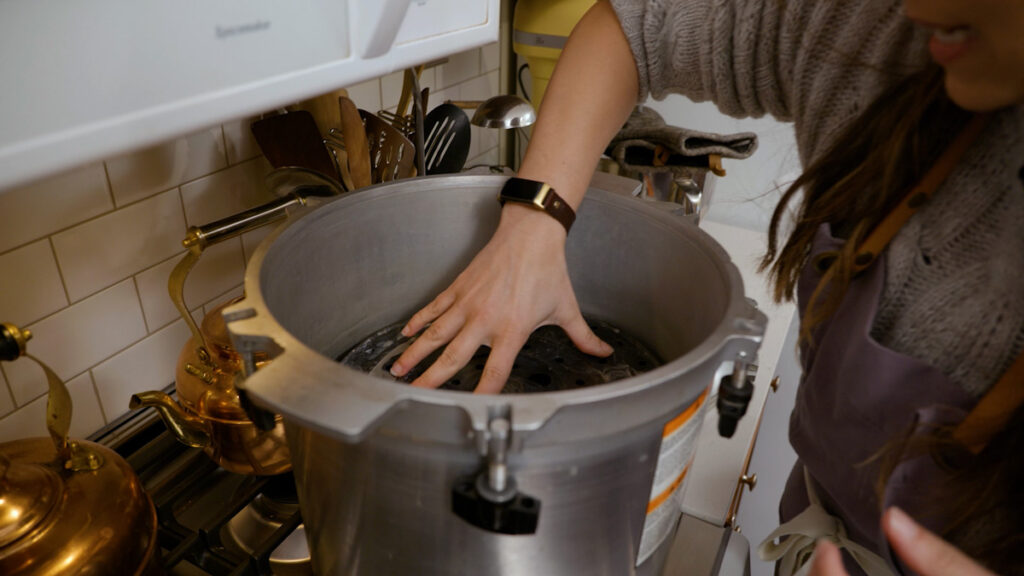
<point>548,362</point>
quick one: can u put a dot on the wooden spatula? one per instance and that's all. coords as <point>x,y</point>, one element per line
<point>356,145</point>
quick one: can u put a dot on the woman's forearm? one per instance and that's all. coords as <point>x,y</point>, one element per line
<point>592,91</point>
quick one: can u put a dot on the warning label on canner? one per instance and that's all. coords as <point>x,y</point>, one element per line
<point>678,444</point>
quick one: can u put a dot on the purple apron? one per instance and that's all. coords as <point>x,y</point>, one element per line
<point>855,397</point>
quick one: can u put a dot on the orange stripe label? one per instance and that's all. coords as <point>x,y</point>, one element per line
<point>678,421</point>
<point>660,498</point>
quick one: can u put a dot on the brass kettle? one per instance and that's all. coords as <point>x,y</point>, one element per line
<point>67,506</point>
<point>210,413</point>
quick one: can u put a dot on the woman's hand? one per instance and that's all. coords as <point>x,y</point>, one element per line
<point>922,551</point>
<point>516,284</point>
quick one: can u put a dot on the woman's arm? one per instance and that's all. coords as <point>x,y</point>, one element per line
<point>520,281</point>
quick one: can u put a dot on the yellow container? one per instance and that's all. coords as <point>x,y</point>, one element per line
<point>540,29</point>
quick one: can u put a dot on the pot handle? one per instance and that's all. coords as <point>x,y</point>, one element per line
<point>295,185</point>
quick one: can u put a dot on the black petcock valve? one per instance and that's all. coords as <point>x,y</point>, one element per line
<point>489,499</point>
<point>734,394</point>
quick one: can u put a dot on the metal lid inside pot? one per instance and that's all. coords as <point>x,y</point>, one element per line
<point>549,361</point>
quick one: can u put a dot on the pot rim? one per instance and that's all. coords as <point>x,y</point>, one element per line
<point>362,399</point>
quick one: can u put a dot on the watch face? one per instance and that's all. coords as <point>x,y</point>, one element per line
<point>527,191</point>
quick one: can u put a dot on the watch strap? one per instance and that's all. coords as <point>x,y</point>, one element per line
<point>541,196</point>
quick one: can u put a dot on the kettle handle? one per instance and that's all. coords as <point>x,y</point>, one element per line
<point>58,402</point>
<point>294,185</point>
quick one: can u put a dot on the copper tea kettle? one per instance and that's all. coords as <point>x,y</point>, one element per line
<point>69,506</point>
<point>210,414</point>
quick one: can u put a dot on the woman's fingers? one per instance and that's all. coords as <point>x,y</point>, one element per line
<point>583,337</point>
<point>499,364</point>
<point>924,552</point>
<point>827,560</point>
<point>429,313</point>
<point>436,335</point>
<point>455,355</point>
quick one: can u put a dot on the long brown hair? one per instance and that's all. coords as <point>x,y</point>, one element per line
<point>851,187</point>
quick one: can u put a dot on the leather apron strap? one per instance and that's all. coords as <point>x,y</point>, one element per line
<point>997,406</point>
<point>875,243</point>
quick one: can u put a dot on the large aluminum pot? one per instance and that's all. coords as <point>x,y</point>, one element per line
<point>402,481</point>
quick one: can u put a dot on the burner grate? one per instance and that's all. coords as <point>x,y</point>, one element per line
<point>195,500</point>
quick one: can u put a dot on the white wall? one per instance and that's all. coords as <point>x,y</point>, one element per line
<point>747,194</point>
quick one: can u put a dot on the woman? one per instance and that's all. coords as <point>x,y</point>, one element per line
<point>906,328</point>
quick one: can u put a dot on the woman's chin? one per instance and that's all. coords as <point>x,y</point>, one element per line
<point>983,96</point>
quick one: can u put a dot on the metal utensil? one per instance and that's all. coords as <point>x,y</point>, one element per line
<point>447,134</point>
<point>293,139</point>
<point>391,153</point>
<point>504,111</point>
<point>405,124</point>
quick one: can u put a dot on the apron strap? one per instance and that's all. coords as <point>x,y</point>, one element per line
<point>994,410</point>
<point>997,406</point>
<point>797,538</point>
<point>887,229</point>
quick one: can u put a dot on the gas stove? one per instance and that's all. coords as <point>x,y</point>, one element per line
<point>211,521</point>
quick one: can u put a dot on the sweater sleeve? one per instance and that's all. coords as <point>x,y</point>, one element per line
<point>816,63</point>
<point>736,53</point>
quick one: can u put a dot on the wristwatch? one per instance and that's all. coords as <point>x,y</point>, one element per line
<point>540,196</point>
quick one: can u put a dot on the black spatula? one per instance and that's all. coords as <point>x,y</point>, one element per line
<point>446,145</point>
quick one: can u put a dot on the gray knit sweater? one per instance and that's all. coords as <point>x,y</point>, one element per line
<point>954,288</point>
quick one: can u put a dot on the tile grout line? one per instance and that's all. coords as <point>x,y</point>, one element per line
<point>60,274</point>
<point>138,297</point>
<point>224,143</point>
<point>110,185</point>
<point>10,392</point>
<point>99,401</point>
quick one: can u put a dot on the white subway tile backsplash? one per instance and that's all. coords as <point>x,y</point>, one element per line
<point>487,158</point>
<point>366,95</point>
<point>239,141</point>
<point>480,88</point>
<point>76,338</point>
<point>30,287</point>
<point>391,88</point>
<point>111,248</point>
<point>6,401</point>
<point>49,205</point>
<point>490,57</point>
<point>143,173</point>
<point>221,267</point>
<point>148,365</point>
<point>227,192</point>
<point>30,421</point>
<point>459,68</point>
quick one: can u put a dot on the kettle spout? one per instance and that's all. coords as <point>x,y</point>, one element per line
<point>189,429</point>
